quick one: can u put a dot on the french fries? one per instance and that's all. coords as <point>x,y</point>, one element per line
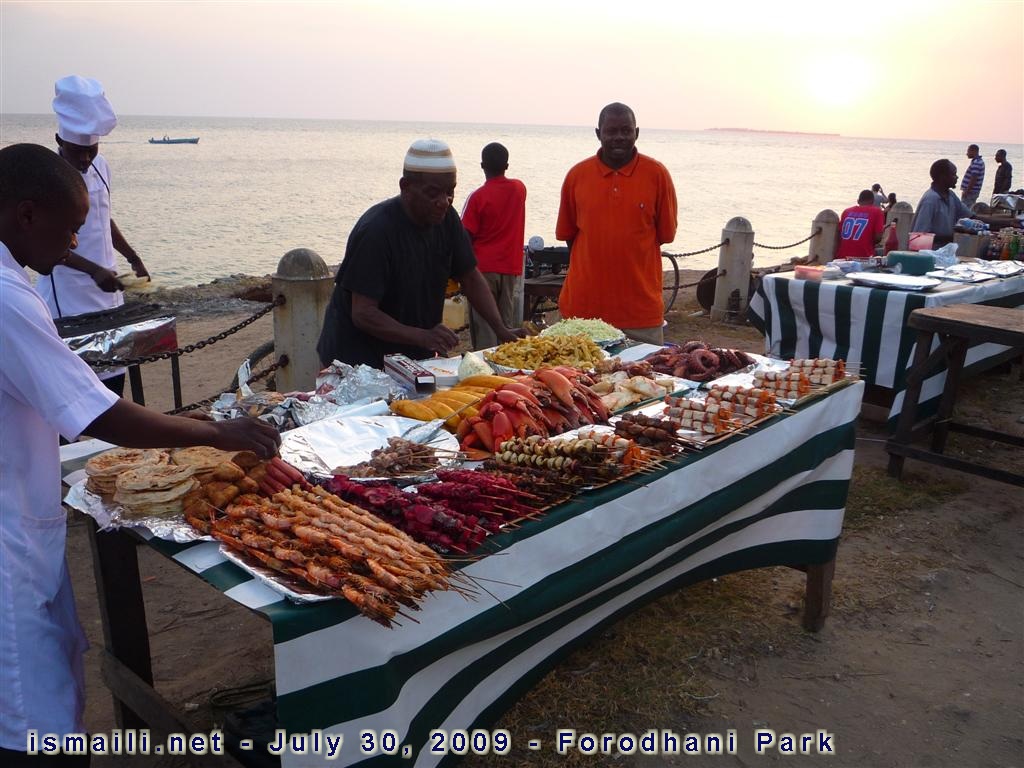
<point>538,351</point>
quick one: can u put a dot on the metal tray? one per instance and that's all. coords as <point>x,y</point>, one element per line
<point>320,447</point>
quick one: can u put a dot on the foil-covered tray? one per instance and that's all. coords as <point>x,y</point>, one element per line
<point>1007,268</point>
<point>894,282</point>
<point>110,516</point>
<point>125,342</point>
<point>293,588</point>
<point>319,448</point>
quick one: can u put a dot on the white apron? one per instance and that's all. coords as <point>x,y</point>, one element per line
<point>44,389</point>
<point>76,293</point>
<point>67,291</point>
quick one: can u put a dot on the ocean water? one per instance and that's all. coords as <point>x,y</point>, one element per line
<point>253,189</point>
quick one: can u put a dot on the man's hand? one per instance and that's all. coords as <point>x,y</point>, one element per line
<point>511,334</point>
<point>139,268</point>
<point>246,434</point>
<point>440,339</point>
<point>106,280</point>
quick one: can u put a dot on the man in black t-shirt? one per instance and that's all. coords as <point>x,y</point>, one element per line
<point>389,291</point>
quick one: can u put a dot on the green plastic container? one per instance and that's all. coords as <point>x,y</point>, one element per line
<point>911,262</point>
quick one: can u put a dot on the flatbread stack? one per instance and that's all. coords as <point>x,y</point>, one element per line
<point>103,469</point>
<point>155,490</point>
<point>210,463</point>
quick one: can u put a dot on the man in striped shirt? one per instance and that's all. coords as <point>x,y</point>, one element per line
<point>974,177</point>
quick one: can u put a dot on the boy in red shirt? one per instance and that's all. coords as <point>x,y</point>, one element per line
<point>860,228</point>
<point>495,219</point>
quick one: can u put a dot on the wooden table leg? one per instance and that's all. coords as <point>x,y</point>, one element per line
<point>956,354</point>
<point>818,597</point>
<point>122,611</point>
<point>905,423</point>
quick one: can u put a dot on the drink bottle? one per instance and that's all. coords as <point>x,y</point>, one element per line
<point>892,242</point>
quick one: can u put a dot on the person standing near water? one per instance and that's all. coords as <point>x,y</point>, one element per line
<point>87,280</point>
<point>495,219</point>
<point>1004,174</point>
<point>974,177</point>
<point>617,209</point>
<point>389,292</point>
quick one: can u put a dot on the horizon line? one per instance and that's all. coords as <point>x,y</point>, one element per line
<point>734,129</point>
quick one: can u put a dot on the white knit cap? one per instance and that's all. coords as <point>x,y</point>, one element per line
<point>429,156</point>
<point>83,112</point>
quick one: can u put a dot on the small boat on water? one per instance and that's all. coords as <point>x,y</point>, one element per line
<point>167,140</point>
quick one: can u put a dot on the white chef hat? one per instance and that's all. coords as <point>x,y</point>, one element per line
<point>83,112</point>
<point>429,156</point>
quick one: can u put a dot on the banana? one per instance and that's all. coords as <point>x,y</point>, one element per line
<point>471,390</point>
<point>484,380</point>
<point>443,411</point>
<point>456,399</point>
<point>412,409</point>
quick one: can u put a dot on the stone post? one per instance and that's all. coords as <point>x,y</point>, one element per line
<point>306,284</point>
<point>903,215</point>
<point>735,260</point>
<point>822,247</point>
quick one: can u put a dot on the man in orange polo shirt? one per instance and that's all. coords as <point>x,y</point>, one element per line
<point>618,208</point>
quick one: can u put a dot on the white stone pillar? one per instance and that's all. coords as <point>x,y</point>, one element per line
<point>822,247</point>
<point>903,215</point>
<point>306,283</point>
<point>735,260</point>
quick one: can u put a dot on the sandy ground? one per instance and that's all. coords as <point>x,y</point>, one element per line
<point>920,664</point>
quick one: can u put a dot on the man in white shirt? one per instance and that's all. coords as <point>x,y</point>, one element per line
<point>87,280</point>
<point>46,390</point>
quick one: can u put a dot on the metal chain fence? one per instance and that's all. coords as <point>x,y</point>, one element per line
<point>277,302</point>
<point>281,362</point>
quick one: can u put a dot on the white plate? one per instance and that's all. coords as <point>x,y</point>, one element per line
<point>348,440</point>
<point>895,282</point>
<point>445,369</point>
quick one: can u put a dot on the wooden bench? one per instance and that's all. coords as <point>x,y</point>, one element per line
<point>958,326</point>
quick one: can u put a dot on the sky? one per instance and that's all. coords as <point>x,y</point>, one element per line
<point>897,69</point>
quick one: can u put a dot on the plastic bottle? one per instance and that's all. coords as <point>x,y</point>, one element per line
<point>1014,247</point>
<point>1005,253</point>
<point>892,242</point>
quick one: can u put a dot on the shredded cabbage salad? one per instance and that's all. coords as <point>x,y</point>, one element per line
<point>595,330</point>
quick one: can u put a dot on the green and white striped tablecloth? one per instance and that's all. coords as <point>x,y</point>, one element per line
<point>775,496</point>
<point>867,327</point>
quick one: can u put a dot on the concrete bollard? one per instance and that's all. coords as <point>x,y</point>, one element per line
<point>306,283</point>
<point>903,215</point>
<point>735,260</point>
<point>822,247</point>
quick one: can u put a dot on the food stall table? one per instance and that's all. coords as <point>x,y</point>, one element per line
<point>774,495</point>
<point>956,327</point>
<point>867,327</point>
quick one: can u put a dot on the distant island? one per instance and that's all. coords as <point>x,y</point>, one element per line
<point>760,130</point>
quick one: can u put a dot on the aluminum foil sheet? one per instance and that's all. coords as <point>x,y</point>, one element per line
<point>319,448</point>
<point>147,337</point>
<point>1007,268</point>
<point>110,516</point>
<point>345,384</point>
<point>295,412</point>
<point>295,590</point>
